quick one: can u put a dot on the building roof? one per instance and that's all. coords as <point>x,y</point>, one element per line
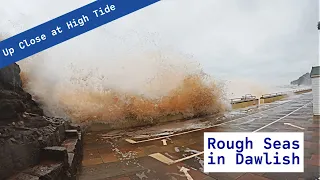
<point>315,71</point>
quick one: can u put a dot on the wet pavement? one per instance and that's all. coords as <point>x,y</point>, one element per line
<point>125,155</point>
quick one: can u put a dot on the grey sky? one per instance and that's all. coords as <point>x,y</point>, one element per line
<point>266,41</point>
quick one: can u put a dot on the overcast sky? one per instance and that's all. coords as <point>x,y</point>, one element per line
<point>266,41</point>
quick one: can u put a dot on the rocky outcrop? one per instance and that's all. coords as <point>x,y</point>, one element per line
<point>10,77</point>
<point>14,101</point>
<point>24,130</point>
<point>303,80</point>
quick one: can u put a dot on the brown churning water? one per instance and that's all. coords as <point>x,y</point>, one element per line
<point>190,94</point>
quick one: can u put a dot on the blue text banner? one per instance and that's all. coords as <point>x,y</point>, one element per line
<point>66,27</point>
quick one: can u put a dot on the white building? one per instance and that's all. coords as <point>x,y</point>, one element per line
<point>315,77</point>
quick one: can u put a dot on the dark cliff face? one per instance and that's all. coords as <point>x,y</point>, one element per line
<point>10,77</point>
<point>24,131</point>
<point>14,101</point>
<point>303,80</point>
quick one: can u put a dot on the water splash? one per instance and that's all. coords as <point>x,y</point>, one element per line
<point>175,88</point>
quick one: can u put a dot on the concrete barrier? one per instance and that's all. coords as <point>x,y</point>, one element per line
<point>269,98</point>
<point>243,103</point>
<point>301,91</point>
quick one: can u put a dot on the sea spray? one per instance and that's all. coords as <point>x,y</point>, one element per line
<point>92,95</point>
